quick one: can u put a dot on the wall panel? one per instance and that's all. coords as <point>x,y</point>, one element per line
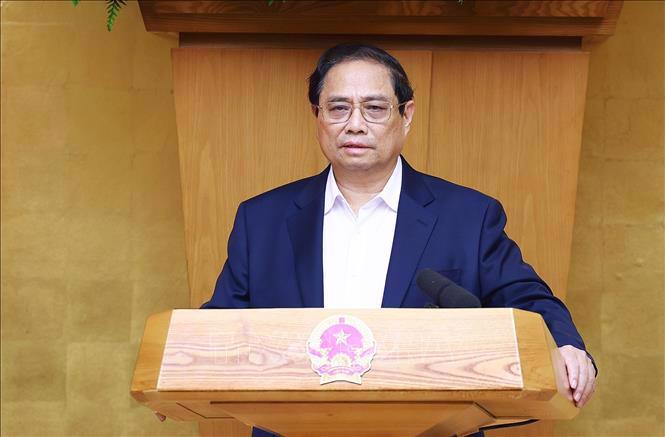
<point>509,124</point>
<point>240,133</point>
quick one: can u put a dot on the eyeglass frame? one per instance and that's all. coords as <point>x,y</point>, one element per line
<point>362,114</point>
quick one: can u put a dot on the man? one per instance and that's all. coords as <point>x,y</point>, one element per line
<point>356,234</point>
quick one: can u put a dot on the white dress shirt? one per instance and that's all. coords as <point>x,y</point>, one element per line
<point>356,249</point>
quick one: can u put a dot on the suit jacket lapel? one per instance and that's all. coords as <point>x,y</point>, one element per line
<point>412,231</point>
<point>305,229</point>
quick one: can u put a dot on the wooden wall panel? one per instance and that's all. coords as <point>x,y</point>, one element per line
<point>509,124</point>
<point>244,126</point>
<point>418,66</point>
<point>240,132</point>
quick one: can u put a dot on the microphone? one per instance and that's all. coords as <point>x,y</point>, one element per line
<point>444,292</point>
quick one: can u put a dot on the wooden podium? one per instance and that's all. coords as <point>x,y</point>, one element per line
<point>435,372</point>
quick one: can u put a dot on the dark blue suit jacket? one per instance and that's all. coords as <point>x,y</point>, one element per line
<point>275,252</point>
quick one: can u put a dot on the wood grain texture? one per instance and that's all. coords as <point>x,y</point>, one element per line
<point>359,419</point>
<point>541,428</point>
<point>545,368</point>
<point>466,422</point>
<point>387,42</point>
<point>418,66</point>
<point>520,17</point>
<point>564,8</point>
<point>249,350</point>
<point>239,133</point>
<point>535,346</point>
<point>435,371</point>
<point>173,410</point>
<point>532,338</point>
<point>244,127</point>
<point>146,373</point>
<point>509,125</point>
<point>399,8</point>
<point>224,428</point>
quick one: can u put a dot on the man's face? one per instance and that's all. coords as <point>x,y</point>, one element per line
<point>358,145</point>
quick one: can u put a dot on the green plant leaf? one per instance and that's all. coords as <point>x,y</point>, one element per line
<point>75,2</point>
<point>112,9</point>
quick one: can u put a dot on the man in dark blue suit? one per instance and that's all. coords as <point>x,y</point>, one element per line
<point>356,234</point>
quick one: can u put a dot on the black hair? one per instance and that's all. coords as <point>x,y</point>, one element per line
<point>355,52</point>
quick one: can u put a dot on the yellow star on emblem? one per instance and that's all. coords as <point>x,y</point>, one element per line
<point>341,337</point>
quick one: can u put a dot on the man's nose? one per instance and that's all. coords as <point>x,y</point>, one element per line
<point>356,122</point>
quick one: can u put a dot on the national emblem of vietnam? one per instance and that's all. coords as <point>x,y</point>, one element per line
<point>341,348</point>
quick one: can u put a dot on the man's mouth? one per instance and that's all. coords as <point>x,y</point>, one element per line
<point>352,145</point>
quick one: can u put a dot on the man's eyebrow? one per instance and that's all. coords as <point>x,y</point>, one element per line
<point>375,97</point>
<point>338,99</point>
<point>363,99</point>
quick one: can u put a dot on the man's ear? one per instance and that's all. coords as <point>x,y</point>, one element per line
<point>407,117</point>
<point>315,110</point>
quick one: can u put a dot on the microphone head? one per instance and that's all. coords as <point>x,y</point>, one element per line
<point>431,283</point>
<point>444,292</point>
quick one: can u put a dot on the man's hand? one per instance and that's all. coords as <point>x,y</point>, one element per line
<point>581,374</point>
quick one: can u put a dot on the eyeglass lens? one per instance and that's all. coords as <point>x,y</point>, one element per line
<point>372,111</point>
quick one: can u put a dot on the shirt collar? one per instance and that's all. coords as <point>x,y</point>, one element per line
<point>389,194</point>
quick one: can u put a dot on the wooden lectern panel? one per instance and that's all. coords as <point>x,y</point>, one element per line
<point>387,419</point>
<point>224,428</point>
<point>261,350</point>
<point>435,371</point>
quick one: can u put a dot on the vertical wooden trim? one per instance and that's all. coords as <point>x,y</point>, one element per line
<point>149,361</point>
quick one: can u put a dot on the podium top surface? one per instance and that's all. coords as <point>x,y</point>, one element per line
<point>227,350</point>
<point>431,353</point>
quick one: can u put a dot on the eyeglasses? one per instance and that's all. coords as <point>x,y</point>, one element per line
<point>373,111</point>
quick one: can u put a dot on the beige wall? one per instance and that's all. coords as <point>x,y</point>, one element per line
<point>615,287</point>
<point>92,232</point>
